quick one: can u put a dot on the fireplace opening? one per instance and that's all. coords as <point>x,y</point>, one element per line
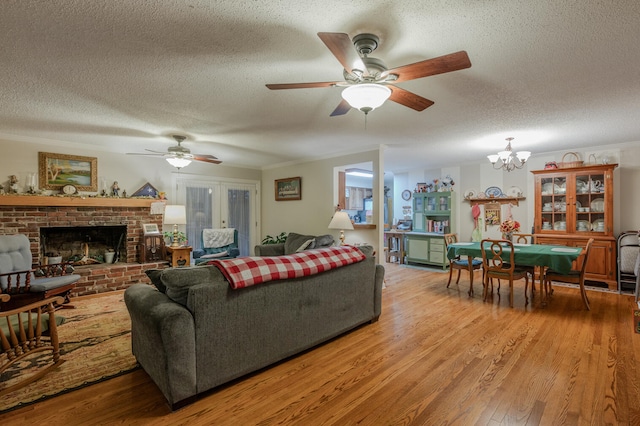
<point>84,245</point>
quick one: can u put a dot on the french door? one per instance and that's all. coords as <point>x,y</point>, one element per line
<point>219,204</point>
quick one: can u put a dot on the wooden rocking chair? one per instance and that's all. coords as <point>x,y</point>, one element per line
<point>24,331</point>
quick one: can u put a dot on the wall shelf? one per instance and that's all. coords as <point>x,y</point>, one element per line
<point>501,200</point>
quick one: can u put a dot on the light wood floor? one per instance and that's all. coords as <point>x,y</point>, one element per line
<point>436,356</point>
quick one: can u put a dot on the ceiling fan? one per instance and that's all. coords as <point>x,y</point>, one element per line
<point>180,156</point>
<point>368,81</point>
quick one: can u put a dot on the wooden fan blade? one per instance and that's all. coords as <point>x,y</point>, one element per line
<point>342,108</point>
<point>342,48</point>
<point>409,99</point>
<point>302,85</point>
<point>206,158</point>
<point>156,154</point>
<point>442,64</point>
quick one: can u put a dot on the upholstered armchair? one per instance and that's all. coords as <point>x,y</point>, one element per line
<point>26,284</point>
<point>217,244</point>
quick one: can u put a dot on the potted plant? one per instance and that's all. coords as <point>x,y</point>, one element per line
<point>168,237</point>
<point>280,238</point>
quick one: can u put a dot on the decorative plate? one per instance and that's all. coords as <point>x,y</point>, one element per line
<point>470,193</point>
<point>514,192</point>
<point>560,226</point>
<point>406,195</point>
<point>493,192</point>
<point>547,188</point>
<point>597,205</point>
<point>583,226</point>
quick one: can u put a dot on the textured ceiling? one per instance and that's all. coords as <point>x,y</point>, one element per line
<point>126,74</point>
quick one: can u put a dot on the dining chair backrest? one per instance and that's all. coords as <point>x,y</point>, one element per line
<point>586,251</point>
<point>497,255</point>
<point>450,239</point>
<point>524,238</point>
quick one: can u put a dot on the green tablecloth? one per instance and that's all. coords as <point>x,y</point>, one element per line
<point>559,258</point>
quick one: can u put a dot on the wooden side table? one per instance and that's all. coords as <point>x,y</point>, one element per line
<point>179,256</point>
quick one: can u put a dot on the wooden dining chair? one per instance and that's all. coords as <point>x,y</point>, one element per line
<point>524,238</point>
<point>460,263</point>
<point>529,239</point>
<point>498,262</point>
<point>575,276</point>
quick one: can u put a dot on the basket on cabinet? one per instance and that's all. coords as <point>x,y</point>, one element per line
<point>570,164</point>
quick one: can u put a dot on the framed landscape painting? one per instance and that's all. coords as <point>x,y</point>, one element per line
<point>58,170</point>
<point>288,189</point>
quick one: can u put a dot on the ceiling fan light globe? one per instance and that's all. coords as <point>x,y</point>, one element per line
<point>366,97</point>
<point>178,162</point>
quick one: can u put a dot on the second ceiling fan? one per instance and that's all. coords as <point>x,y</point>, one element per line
<point>368,82</point>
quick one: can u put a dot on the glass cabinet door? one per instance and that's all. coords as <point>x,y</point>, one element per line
<point>553,193</point>
<point>590,202</point>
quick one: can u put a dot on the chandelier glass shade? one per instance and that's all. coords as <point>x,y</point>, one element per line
<point>366,96</point>
<point>505,160</point>
<point>178,162</point>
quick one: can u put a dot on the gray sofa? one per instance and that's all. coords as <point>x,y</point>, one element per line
<point>201,333</point>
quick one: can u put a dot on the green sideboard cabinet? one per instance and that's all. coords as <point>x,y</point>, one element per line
<point>433,216</point>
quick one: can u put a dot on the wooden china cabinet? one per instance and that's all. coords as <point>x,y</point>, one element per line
<point>573,205</point>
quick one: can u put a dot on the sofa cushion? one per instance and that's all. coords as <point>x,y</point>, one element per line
<point>178,280</point>
<point>295,241</point>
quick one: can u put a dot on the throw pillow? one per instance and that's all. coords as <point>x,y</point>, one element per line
<point>307,245</point>
<point>324,241</point>
<point>294,241</point>
<point>154,276</point>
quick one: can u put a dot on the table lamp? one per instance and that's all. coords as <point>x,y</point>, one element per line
<point>341,221</point>
<point>175,215</point>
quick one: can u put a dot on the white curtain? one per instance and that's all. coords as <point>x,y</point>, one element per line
<point>212,203</point>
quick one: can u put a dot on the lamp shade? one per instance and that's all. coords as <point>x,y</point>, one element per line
<point>178,162</point>
<point>175,215</point>
<point>366,96</point>
<point>341,221</point>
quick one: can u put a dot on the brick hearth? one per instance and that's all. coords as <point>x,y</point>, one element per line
<point>27,214</point>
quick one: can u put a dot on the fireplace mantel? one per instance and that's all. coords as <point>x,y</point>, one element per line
<point>75,201</point>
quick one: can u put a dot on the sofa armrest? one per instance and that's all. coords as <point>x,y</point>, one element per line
<point>234,252</point>
<point>163,341</point>
<point>269,249</point>
<point>197,253</point>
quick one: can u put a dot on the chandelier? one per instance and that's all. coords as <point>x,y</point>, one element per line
<point>507,161</point>
<point>366,96</point>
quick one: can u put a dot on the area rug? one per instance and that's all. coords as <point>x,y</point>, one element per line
<point>95,342</point>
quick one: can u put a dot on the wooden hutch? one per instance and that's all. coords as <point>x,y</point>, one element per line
<point>573,205</point>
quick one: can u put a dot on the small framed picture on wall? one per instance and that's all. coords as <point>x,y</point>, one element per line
<point>288,189</point>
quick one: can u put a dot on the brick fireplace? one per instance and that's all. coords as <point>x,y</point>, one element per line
<point>30,215</point>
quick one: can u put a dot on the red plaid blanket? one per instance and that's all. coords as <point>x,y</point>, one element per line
<point>247,271</point>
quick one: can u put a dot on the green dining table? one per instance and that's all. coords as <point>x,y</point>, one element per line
<point>558,258</point>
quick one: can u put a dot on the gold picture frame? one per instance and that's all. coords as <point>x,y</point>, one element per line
<point>288,189</point>
<point>58,170</point>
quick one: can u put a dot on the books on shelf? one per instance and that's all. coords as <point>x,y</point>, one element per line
<point>437,226</point>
